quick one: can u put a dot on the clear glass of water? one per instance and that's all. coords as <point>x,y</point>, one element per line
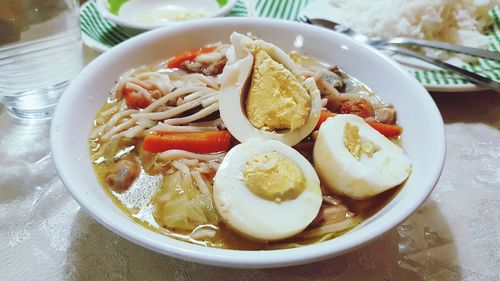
<point>40,52</point>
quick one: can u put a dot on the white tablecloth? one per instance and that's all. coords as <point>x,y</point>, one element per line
<point>454,235</point>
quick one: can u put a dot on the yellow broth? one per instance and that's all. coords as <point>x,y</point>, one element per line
<point>138,200</point>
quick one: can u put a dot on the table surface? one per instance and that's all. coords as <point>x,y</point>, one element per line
<point>454,235</point>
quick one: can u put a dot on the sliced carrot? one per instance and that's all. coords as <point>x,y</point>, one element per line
<point>188,56</point>
<point>197,142</point>
<point>387,130</point>
<point>325,114</point>
<point>135,99</point>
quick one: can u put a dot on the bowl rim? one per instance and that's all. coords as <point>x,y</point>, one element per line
<point>239,258</point>
<point>102,8</point>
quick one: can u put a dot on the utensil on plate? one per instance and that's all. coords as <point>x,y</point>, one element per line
<point>402,41</point>
<point>478,79</point>
<point>392,45</point>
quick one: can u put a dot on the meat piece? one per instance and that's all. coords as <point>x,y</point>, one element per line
<point>135,99</point>
<point>123,175</point>
<point>329,83</point>
<point>385,115</point>
<point>335,69</point>
<point>360,107</point>
<point>212,69</point>
<point>330,214</point>
<point>192,66</point>
<point>215,68</point>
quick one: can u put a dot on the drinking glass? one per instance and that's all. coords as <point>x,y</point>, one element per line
<point>40,52</point>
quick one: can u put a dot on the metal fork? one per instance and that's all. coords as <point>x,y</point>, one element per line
<point>402,41</point>
<point>387,45</point>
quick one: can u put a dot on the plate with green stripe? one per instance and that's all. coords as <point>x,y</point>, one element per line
<point>439,80</point>
<point>430,76</point>
<point>101,34</point>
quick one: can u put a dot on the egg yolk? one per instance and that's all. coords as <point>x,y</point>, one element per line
<point>355,145</point>
<point>276,99</point>
<point>273,177</point>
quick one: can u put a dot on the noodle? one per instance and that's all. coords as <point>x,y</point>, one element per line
<point>184,169</point>
<point>122,126</point>
<point>173,95</point>
<point>196,116</point>
<point>213,123</point>
<point>214,165</point>
<point>168,113</point>
<point>209,101</point>
<point>204,168</point>
<point>202,185</point>
<point>191,162</point>
<point>117,90</point>
<point>162,127</point>
<point>146,122</point>
<point>142,83</point>
<point>134,132</point>
<point>207,80</point>
<point>174,154</point>
<point>193,96</point>
<point>186,100</point>
<point>113,109</point>
<point>138,89</point>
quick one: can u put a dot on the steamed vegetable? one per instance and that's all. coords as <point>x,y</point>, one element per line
<point>181,205</point>
<point>197,142</point>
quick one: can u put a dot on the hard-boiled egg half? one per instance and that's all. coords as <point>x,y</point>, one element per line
<point>264,95</point>
<point>354,159</point>
<point>266,190</point>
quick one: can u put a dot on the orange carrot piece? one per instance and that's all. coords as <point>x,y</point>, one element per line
<point>387,130</point>
<point>197,142</point>
<point>325,114</point>
<point>188,56</point>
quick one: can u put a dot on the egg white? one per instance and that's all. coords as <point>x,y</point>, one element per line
<point>259,218</point>
<point>233,81</point>
<point>359,179</point>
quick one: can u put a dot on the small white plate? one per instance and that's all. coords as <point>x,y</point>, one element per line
<point>151,14</point>
<point>431,77</point>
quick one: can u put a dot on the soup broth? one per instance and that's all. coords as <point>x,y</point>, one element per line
<point>159,142</point>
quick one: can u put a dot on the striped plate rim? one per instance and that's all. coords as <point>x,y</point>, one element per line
<point>101,34</point>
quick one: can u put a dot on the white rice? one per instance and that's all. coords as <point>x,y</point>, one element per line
<point>455,21</point>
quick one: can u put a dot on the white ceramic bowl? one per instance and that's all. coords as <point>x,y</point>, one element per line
<point>128,13</point>
<point>423,138</point>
